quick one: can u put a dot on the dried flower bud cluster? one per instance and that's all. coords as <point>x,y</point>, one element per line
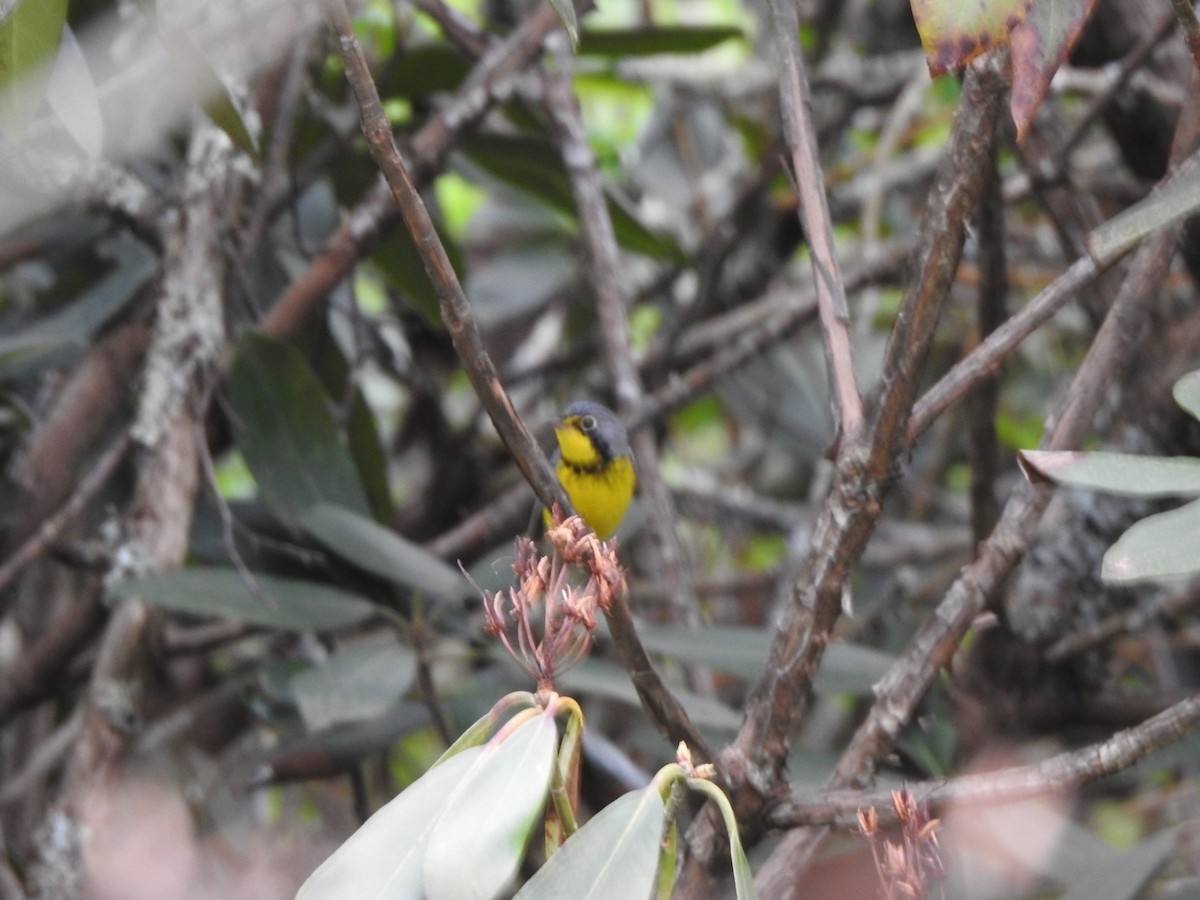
<point>569,616</point>
<point>908,868</point>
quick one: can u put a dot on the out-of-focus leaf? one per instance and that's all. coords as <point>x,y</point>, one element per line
<point>73,326</point>
<point>381,551</point>
<point>29,38</point>
<point>286,431</point>
<point>1172,201</point>
<point>1040,43</point>
<point>1124,875</point>
<point>953,32</point>
<point>566,15</point>
<point>488,818</point>
<point>418,72</point>
<point>846,668</point>
<point>383,859</point>
<point>532,165</point>
<point>354,684</point>
<point>283,603</point>
<point>211,91</point>
<point>71,93</point>
<point>1162,546</point>
<point>335,751</point>
<point>613,855</point>
<point>362,431</point>
<point>1124,474</point>
<point>625,42</point>
<point>397,258</point>
<point>609,680</point>
<point>1187,393</point>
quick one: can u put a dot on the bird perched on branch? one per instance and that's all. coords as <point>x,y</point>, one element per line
<point>595,465</point>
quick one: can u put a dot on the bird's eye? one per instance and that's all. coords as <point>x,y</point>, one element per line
<point>588,423</point>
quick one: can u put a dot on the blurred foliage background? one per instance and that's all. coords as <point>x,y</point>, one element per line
<point>244,473</point>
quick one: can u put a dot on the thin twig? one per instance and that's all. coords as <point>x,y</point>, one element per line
<point>990,313</point>
<point>800,136</point>
<point>934,645</point>
<point>600,240</point>
<point>1190,26</point>
<point>52,527</point>
<point>489,83</point>
<point>1054,775</point>
<point>865,468</point>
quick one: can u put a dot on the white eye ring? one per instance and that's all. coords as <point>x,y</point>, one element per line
<point>588,423</point>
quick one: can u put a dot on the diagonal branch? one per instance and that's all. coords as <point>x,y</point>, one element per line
<point>455,308</point>
<point>866,465</point>
<point>801,138</point>
<point>488,84</point>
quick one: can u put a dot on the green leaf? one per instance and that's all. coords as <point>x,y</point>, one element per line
<point>488,818</point>
<point>613,855</point>
<point>282,603</point>
<point>286,432</point>
<point>532,165</point>
<point>1162,546</point>
<point>1187,393</point>
<point>1124,474</point>
<point>620,43</point>
<point>362,431</point>
<point>953,32</point>
<point>75,324</point>
<point>355,684</point>
<point>1170,202</point>
<point>422,71</point>
<point>29,39</point>
<point>368,545</point>
<point>397,258</point>
<point>383,859</point>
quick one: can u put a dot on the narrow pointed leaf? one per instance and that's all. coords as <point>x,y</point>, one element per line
<point>287,433</point>
<point>1176,199</point>
<point>281,603</point>
<point>1125,474</point>
<point>622,43</point>
<point>1040,44</point>
<point>381,551</point>
<point>480,837</point>
<point>566,15</point>
<point>1163,546</point>
<point>616,854</point>
<point>383,859</point>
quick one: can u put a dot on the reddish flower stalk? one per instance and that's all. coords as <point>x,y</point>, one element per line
<point>569,615</point>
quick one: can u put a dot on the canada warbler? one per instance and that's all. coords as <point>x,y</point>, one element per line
<point>595,465</point>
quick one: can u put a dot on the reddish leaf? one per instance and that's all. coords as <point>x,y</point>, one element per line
<point>1040,43</point>
<point>954,32</point>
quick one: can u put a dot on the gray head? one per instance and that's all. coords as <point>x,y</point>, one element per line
<point>602,425</point>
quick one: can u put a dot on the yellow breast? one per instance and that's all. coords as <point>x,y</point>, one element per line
<point>600,494</point>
